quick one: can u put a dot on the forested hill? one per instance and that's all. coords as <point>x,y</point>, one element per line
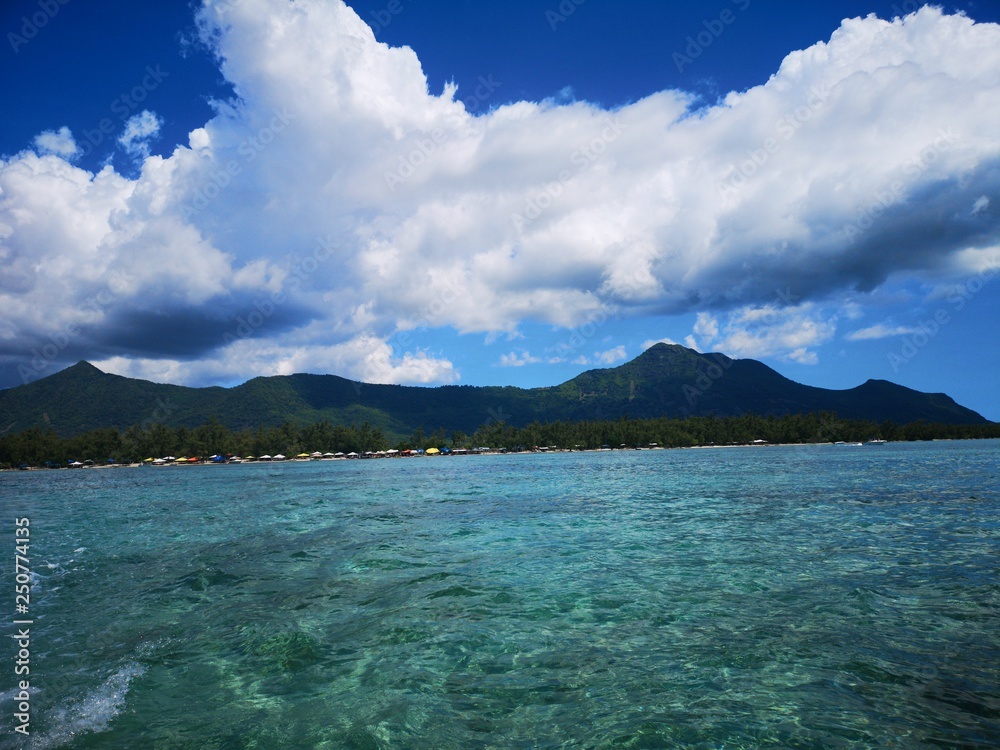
<point>664,381</point>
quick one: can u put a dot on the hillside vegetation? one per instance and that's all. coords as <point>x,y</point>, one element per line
<point>666,381</point>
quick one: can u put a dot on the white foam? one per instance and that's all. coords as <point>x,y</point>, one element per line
<point>94,712</point>
<point>9,695</point>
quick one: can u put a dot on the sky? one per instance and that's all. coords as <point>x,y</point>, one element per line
<point>500,193</point>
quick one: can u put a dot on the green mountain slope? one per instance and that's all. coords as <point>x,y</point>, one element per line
<point>663,381</point>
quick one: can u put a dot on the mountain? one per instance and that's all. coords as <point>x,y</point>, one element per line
<point>666,380</point>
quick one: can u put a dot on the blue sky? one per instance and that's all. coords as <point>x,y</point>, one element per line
<point>506,193</point>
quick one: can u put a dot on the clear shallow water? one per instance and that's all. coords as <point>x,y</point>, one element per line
<point>727,598</point>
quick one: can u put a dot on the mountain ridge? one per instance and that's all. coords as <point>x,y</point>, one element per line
<point>665,380</point>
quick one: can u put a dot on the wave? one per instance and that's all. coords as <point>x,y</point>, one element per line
<point>93,712</point>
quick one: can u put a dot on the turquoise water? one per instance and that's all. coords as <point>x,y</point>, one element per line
<point>721,598</point>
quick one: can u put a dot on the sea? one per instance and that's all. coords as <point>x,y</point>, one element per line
<point>781,596</point>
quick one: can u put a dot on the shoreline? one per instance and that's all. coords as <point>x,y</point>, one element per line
<point>537,451</point>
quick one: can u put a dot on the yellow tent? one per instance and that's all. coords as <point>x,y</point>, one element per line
<point>432,451</point>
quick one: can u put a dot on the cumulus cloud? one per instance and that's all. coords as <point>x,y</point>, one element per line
<point>602,359</point>
<point>364,359</point>
<point>790,333</point>
<point>834,175</point>
<point>60,143</point>
<point>139,130</point>
<point>611,356</point>
<point>517,359</point>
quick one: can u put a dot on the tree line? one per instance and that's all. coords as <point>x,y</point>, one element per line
<point>39,447</point>
<point>819,427</point>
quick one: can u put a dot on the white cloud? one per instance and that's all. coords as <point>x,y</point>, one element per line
<point>139,130</point>
<point>611,356</point>
<point>60,143</point>
<point>365,359</point>
<point>789,333</point>
<point>706,326</point>
<point>516,359</point>
<point>600,359</point>
<point>879,331</point>
<point>803,356</point>
<point>433,216</point>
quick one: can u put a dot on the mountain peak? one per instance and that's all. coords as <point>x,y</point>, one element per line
<point>667,380</point>
<point>82,369</point>
<point>661,349</point>
<point>84,366</point>
<point>662,346</point>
